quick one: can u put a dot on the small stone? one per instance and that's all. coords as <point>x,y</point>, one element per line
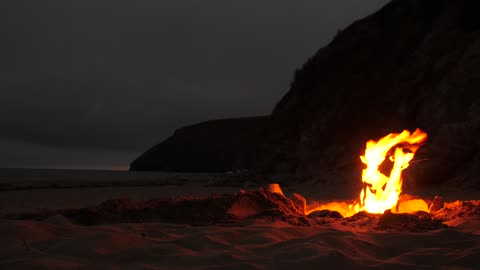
<point>436,205</point>
<point>407,222</point>
<point>299,200</point>
<point>325,214</point>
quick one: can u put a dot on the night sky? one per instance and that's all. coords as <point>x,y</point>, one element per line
<point>93,84</point>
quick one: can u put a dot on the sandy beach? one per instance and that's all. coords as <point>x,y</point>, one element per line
<point>56,242</point>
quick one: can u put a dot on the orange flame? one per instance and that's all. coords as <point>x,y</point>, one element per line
<point>382,192</point>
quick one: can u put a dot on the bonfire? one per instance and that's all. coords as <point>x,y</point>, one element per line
<point>380,228</point>
<point>380,192</point>
<point>380,202</point>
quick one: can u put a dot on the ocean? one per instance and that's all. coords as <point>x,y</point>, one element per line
<point>61,178</point>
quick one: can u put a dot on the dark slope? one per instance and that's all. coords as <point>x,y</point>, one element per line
<point>414,63</point>
<point>212,146</point>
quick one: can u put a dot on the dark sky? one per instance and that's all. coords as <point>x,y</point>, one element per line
<point>92,84</point>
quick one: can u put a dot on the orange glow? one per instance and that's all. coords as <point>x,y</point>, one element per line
<point>412,206</point>
<point>275,188</point>
<point>381,192</point>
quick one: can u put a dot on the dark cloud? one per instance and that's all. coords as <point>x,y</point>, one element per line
<point>122,75</point>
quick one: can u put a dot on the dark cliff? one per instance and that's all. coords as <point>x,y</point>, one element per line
<point>414,63</point>
<point>212,146</point>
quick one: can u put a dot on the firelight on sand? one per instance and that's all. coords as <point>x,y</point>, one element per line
<point>381,192</point>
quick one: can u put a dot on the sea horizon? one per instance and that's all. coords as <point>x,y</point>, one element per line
<point>45,177</point>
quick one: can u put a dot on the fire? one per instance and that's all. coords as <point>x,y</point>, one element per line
<point>382,192</point>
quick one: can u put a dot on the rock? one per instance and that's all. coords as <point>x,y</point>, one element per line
<point>458,209</point>
<point>436,205</point>
<point>212,146</point>
<point>325,214</point>
<point>408,222</point>
<point>362,219</point>
<point>423,214</point>
<point>300,201</point>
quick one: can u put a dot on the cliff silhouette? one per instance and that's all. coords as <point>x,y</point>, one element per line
<point>413,64</point>
<point>211,146</point>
